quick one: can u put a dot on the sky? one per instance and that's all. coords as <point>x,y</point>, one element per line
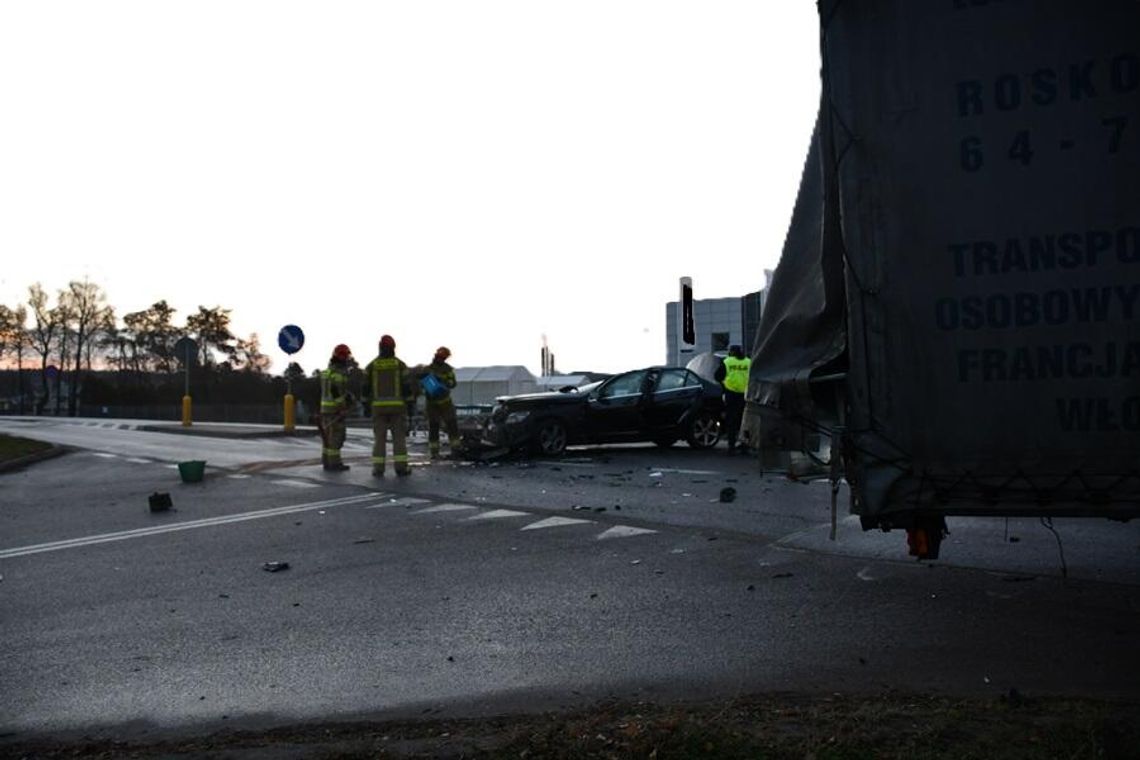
<point>475,174</point>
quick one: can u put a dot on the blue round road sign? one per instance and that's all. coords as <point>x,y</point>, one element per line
<point>290,339</point>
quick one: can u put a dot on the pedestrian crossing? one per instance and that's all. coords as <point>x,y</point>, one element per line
<point>532,521</point>
<point>519,519</point>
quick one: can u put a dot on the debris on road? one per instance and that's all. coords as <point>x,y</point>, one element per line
<point>275,567</point>
<point>727,494</point>
<point>364,541</point>
<point>160,501</point>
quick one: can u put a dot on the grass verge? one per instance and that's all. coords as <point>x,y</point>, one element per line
<point>14,447</point>
<point>772,726</point>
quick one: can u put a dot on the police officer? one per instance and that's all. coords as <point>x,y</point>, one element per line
<point>335,403</point>
<point>732,374</point>
<point>387,392</point>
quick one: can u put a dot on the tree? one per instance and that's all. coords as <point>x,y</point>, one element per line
<point>86,307</point>
<point>13,341</point>
<point>151,334</point>
<point>294,372</point>
<point>11,328</point>
<point>48,323</point>
<point>212,326</point>
<point>63,341</point>
<point>248,356</point>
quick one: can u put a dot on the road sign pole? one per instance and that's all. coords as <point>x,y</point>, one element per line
<point>290,338</point>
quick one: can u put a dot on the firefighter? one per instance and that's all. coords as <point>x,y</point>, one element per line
<point>387,391</point>
<point>438,378</point>
<point>335,403</point>
<point>733,377</point>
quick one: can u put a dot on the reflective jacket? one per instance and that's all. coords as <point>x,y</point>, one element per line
<point>387,382</point>
<point>736,373</point>
<point>334,388</point>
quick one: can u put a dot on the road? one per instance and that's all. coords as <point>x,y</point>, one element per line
<point>476,589</point>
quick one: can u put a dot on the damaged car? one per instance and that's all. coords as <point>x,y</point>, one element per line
<point>658,404</point>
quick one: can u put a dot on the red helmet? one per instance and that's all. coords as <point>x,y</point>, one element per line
<point>341,352</point>
<point>387,341</point>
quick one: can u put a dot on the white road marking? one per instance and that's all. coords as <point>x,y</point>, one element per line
<point>73,543</point>
<point>623,531</point>
<point>444,508</point>
<point>296,483</point>
<point>104,455</point>
<point>238,476</point>
<point>139,460</point>
<point>498,514</point>
<point>403,501</point>
<point>554,522</point>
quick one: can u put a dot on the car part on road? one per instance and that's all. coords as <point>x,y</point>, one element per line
<point>275,567</point>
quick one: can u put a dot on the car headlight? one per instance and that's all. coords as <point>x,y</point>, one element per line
<point>514,418</point>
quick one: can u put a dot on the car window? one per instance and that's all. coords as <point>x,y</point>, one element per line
<point>672,379</point>
<point>623,385</point>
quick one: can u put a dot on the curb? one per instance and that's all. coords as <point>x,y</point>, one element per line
<point>206,431</point>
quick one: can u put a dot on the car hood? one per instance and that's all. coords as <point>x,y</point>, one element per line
<point>544,398</point>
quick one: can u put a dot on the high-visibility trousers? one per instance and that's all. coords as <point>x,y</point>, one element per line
<point>394,419</point>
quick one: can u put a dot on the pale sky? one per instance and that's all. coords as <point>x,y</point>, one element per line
<point>475,173</point>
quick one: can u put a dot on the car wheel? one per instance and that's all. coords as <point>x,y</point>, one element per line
<point>550,438</point>
<point>704,432</point>
<point>664,442</point>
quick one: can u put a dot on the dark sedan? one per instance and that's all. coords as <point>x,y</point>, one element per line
<point>659,404</point>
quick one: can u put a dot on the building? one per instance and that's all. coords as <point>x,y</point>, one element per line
<point>718,323</point>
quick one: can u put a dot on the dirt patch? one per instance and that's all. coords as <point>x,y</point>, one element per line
<point>770,726</point>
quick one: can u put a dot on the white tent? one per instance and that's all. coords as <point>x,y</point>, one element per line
<point>481,385</point>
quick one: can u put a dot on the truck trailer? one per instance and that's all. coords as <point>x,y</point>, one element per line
<point>957,304</point>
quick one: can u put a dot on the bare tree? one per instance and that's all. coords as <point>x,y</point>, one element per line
<point>248,356</point>
<point>63,338</point>
<point>85,304</point>
<point>43,335</point>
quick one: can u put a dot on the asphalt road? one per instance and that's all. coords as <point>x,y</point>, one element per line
<point>476,589</point>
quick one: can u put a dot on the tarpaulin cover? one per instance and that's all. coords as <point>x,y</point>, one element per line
<point>967,243</point>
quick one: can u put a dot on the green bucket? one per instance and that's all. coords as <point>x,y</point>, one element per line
<point>192,471</point>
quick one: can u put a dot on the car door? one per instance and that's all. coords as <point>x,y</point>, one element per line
<point>614,409</point>
<point>676,391</point>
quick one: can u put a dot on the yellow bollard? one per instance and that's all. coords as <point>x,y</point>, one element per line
<point>290,413</point>
<point>186,404</point>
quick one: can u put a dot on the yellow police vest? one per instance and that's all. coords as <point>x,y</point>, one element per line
<point>736,374</point>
